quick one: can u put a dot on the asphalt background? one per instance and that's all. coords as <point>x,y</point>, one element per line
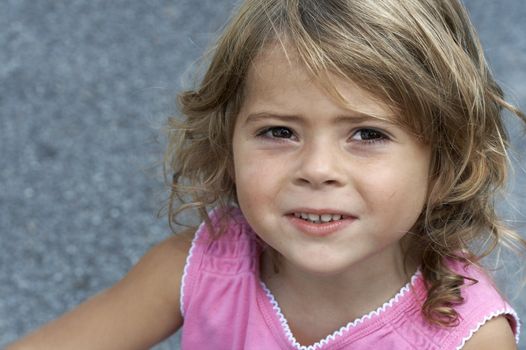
<point>85,87</point>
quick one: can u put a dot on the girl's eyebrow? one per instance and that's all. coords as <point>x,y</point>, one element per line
<point>261,116</point>
<point>353,117</point>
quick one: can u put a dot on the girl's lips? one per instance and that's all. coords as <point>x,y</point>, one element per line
<point>319,229</point>
<point>319,211</point>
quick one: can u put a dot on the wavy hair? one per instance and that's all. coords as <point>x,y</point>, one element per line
<point>424,59</point>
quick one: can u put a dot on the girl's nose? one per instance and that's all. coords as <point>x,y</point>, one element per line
<point>320,165</point>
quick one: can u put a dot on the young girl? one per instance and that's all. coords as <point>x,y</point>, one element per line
<point>344,156</point>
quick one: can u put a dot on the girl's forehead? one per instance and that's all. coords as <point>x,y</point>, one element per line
<point>278,76</point>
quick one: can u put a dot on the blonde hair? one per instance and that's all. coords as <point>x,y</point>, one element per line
<point>424,59</point>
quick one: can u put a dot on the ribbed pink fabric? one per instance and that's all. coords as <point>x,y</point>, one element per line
<point>226,306</point>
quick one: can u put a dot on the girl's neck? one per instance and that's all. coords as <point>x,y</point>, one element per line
<point>352,293</point>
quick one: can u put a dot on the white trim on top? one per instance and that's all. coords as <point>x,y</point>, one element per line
<point>323,342</point>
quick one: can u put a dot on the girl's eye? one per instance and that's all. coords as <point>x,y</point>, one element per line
<point>369,136</point>
<point>277,132</point>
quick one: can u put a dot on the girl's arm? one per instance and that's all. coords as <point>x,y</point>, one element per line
<point>138,312</point>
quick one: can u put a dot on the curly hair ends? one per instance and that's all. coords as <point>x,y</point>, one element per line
<point>424,59</point>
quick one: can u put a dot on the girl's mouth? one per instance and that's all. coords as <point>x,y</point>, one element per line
<point>321,224</point>
<point>319,219</point>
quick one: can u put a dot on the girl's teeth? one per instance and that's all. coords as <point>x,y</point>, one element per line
<point>314,218</point>
<point>326,217</point>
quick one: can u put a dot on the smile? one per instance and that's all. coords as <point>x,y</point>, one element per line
<point>321,223</point>
<point>318,219</point>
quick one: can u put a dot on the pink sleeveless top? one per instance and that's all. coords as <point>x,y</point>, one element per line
<point>226,306</point>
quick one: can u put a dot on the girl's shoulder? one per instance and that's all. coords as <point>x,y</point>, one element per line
<point>495,331</point>
<point>485,316</point>
<point>163,265</point>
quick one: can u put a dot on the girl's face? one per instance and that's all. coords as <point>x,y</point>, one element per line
<point>358,183</point>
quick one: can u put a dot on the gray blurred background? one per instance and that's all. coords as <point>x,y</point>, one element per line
<point>85,87</point>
